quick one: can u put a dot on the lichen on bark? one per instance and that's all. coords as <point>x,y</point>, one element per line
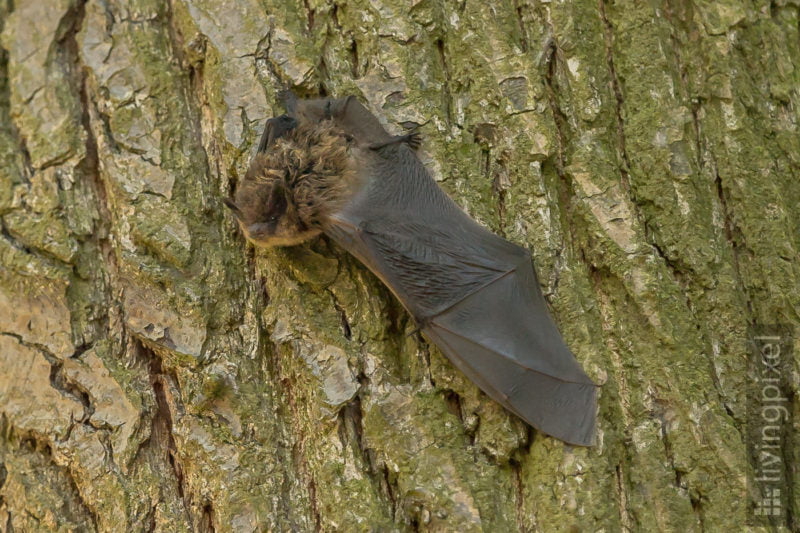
<point>158,373</point>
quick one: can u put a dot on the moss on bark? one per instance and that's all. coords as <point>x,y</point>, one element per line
<point>156,372</point>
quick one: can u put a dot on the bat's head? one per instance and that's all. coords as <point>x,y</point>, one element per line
<point>267,214</point>
<point>299,176</point>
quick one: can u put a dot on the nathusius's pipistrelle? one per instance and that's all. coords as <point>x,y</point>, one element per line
<point>328,166</point>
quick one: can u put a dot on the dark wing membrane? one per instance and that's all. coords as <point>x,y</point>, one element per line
<point>503,338</point>
<point>480,302</point>
<point>510,317</point>
<point>430,268</point>
<point>559,408</point>
<point>475,294</point>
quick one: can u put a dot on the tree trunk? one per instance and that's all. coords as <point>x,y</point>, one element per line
<point>158,373</point>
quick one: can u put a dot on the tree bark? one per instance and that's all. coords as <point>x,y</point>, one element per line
<point>157,373</point>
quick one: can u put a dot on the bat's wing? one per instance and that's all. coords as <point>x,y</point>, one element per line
<point>473,293</point>
<point>503,338</point>
<point>477,297</point>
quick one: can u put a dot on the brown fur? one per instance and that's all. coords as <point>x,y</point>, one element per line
<point>312,163</point>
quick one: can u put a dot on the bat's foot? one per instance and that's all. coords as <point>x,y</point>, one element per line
<point>412,140</point>
<point>421,324</point>
<point>414,332</point>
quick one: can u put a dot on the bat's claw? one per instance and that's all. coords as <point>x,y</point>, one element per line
<point>412,140</point>
<point>413,332</point>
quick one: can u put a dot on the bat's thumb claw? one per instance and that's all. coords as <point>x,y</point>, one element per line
<point>413,139</point>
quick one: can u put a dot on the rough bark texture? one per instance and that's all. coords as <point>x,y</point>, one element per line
<point>157,373</point>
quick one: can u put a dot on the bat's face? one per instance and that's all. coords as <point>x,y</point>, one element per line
<point>296,180</point>
<point>267,214</point>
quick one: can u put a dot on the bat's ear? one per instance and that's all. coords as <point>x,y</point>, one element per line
<point>289,101</point>
<point>233,207</point>
<point>355,119</point>
<point>347,102</point>
<point>338,108</point>
<point>274,129</point>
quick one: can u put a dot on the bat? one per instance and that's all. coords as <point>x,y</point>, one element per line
<point>328,166</point>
